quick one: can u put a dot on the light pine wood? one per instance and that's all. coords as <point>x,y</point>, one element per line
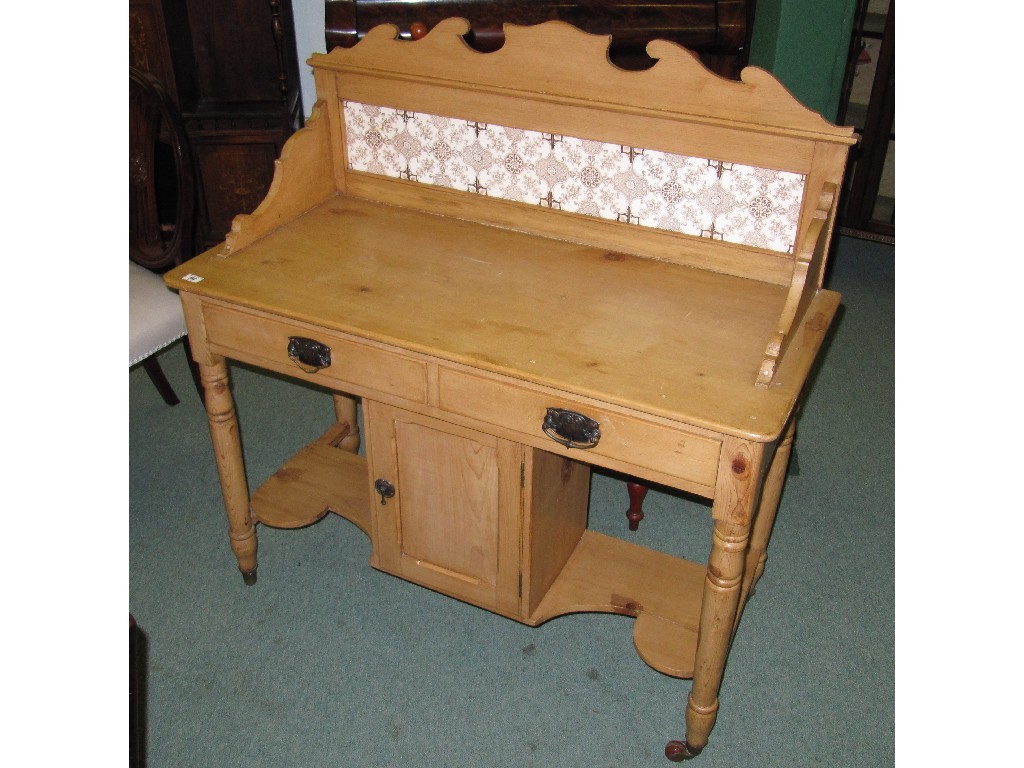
<point>761,531</point>
<point>689,457</point>
<point>558,490</point>
<point>328,100</point>
<point>736,498</point>
<point>739,481</point>
<point>727,258</point>
<point>610,575</point>
<point>518,86</point>
<point>323,477</point>
<point>454,521</point>
<point>353,364</point>
<point>449,502</point>
<point>718,610</point>
<point>227,451</point>
<point>580,72</point>
<point>301,180</point>
<point>805,282</point>
<point>364,269</point>
<point>677,106</point>
<point>459,320</point>
<point>345,409</point>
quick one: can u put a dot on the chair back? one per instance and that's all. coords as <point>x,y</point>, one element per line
<point>163,194</point>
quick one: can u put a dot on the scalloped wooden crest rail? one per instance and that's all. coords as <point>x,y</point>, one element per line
<point>523,64</point>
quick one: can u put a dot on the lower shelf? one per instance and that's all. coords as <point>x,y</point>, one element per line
<point>603,574</point>
<point>320,478</point>
<point>664,593</point>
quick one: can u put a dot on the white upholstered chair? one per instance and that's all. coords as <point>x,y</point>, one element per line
<point>154,322</point>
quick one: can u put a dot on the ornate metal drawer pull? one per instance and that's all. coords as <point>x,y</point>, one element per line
<point>571,429</point>
<point>310,355</point>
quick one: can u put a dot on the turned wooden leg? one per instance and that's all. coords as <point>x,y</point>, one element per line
<point>227,449</point>
<point>718,611</point>
<point>345,409</point>
<point>761,531</point>
<point>637,491</point>
<point>737,492</point>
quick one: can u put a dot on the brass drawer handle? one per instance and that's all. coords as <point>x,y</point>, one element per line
<point>571,429</point>
<point>308,354</point>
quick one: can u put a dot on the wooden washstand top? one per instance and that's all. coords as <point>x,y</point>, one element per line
<point>674,341</point>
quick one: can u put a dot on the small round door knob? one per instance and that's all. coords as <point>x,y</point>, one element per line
<point>385,489</point>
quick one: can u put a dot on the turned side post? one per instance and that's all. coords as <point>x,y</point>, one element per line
<point>345,410</point>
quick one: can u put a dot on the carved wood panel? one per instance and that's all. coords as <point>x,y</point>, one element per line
<point>232,68</point>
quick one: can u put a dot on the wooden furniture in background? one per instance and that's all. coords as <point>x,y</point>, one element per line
<point>161,214</point>
<point>485,248</point>
<point>137,657</point>
<point>231,67</point>
<point>869,104</point>
<point>717,30</point>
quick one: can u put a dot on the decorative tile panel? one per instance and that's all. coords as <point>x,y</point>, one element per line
<point>692,195</point>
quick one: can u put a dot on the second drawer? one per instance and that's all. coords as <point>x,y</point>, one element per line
<point>626,439</point>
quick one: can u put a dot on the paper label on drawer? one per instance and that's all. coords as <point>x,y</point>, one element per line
<point>192,278</point>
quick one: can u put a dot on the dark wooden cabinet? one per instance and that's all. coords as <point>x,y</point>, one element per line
<point>869,104</point>
<point>717,30</point>
<point>231,67</point>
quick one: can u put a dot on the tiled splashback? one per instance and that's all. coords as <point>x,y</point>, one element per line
<point>697,196</point>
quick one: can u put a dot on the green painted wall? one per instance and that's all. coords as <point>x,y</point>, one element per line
<point>804,43</point>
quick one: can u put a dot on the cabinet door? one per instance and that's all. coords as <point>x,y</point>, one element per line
<point>453,523</point>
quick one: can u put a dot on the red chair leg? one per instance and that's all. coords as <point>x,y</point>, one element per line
<point>637,491</point>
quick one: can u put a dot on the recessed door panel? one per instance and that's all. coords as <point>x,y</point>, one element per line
<point>449,512</point>
<point>453,522</point>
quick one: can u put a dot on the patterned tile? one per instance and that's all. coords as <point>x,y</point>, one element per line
<point>696,196</point>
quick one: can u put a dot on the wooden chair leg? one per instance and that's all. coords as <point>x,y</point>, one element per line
<point>137,654</point>
<point>193,368</point>
<point>637,492</point>
<point>156,375</point>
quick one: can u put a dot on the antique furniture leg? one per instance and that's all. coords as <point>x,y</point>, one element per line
<point>637,491</point>
<point>156,375</point>
<point>345,408</point>
<point>736,495</point>
<point>227,449</point>
<point>193,369</point>
<point>762,529</point>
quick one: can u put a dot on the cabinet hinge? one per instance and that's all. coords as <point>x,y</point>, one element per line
<point>520,585</point>
<point>522,476</point>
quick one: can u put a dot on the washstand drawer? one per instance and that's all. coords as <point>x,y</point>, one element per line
<point>314,354</point>
<point>671,451</point>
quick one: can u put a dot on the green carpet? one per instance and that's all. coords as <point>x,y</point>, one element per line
<point>327,662</point>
